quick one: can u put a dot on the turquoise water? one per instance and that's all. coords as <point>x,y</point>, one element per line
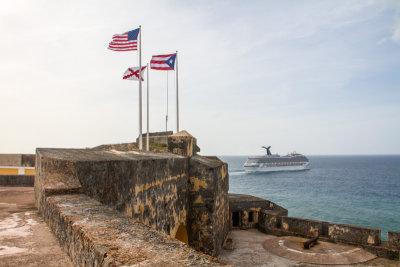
<point>357,190</point>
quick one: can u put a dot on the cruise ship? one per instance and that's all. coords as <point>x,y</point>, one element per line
<point>271,163</point>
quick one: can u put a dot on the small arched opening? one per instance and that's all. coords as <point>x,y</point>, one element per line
<point>181,234</point>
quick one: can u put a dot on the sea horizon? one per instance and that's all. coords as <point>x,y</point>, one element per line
<point>361,190</point>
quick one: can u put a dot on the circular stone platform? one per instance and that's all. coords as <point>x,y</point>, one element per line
<point>291,247</point>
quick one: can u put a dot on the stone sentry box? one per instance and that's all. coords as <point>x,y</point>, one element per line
<point>183,195</point>
<point>248,211</point>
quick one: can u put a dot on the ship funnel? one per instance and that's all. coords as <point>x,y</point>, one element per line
<point>268,150</point>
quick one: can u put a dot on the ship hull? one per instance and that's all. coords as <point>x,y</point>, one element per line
<point>275,168</point>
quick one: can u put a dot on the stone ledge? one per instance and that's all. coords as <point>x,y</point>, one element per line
<point>96,235</point>
<point>302,227</point>
<point>351,234</point>
<point>17,180</point>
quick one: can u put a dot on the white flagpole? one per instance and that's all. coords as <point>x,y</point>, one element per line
<point>177,97</point>
<point>140,89</point>
<point>147,136</point>
<point>166,116</point>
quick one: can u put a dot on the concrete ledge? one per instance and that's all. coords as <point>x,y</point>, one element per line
<point>17,180</point>
<point>96,235</point>
<point>351,234</point>
<point>393,239</point>
<point>303,227</point>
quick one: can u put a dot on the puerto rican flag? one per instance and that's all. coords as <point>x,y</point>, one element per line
<point>133,73</point>
<point>163,62</point>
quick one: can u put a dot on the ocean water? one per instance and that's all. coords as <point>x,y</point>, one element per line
<point>357,190</point>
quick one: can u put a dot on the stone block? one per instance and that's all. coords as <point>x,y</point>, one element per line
<point>248,209</point>
<point>96,235</point>
<point>393,239</point>
<point>269,220</point>
<point>351,234</point>
<point>183,144</point>
<point>208,215</point>
<point>303,227</point>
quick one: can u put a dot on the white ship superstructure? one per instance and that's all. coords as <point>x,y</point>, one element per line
<point>270,163</point>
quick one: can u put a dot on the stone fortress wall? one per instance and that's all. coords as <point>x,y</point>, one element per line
<point>180,194</point>
<point>99,201</point>
<point>252,212</point>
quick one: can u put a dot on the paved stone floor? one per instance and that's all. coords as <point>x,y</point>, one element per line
<point>25,239</point>
<point>253,248</point>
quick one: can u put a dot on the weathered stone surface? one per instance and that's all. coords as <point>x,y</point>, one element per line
<point>156,137</point>
<point>17,160</point>
<point>183,144</point>
<point>270,221</point>
<point>96,235</point>
<point>17,180</point>
<point>55,174</point>
<point>303,227</point>
<point>150,187</point>
<point>249,208</point>
<point>208,216</point>
<point>384,252</point>
<point>393,239</point>
<point>354,234</point>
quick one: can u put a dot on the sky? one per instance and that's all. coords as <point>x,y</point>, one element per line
<point>318,77</point>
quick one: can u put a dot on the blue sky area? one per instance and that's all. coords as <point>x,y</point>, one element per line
<point>319,77</point>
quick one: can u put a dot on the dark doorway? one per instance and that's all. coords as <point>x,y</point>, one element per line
<point>251,216</point>
<point>235,218</point>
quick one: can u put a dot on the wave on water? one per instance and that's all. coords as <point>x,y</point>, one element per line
<point>237,172</point>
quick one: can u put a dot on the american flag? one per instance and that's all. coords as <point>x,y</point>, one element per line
<point>163,62</point>
<point>124,42</point>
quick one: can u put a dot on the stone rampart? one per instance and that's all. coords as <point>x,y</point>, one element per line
<point>97,235</point>
<point>272,219</point>
<point>182,195</point>
<point>208,204</point>
<point>351,234</point>
<point>303,227</point>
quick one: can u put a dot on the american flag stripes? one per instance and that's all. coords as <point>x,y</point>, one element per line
<point>163,62</point>
<point>124,42</point>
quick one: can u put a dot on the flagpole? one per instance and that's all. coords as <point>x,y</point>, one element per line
<point>147,136</point>
<point>166,116</point>
<point>177,98</point>
<point>140,89</point>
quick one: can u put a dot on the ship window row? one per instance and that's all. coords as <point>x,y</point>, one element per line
<point>285,164</point>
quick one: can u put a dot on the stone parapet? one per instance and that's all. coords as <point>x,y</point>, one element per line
<point>270,221</point>
<point>183,197</point>
<point>208,216</point>
<point>393,239</point>
<point>351,234</point>
<point>96,235</point>
<point>302,227</point>
<point>182,143</point>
